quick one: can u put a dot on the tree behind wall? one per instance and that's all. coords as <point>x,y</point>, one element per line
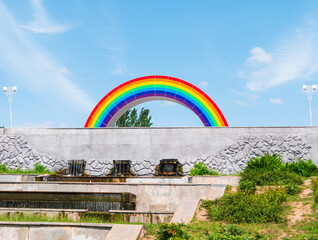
<point>132,119</point>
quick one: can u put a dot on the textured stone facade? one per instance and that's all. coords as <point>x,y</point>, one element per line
<point>16,152</point>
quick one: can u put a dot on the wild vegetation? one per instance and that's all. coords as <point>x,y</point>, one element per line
<point>201,168</point>
<point>38,169</point>
<point>262,207</point>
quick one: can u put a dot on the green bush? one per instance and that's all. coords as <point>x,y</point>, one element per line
<point>247,186</point>
<point>292,189</point>
<point>265,163</point>
<point>172,231</point>
<point>270,177</point>
<point>201,169</point>
<point>314,186</point>
<point>4,168</point>
<point>38,168</point>
<point>311,237</point>
<point>232,232</point>
<point>302,168</point>
<point>249,208</point>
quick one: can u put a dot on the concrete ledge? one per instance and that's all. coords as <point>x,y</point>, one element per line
<point>69,231</point>
<point>53,231</point>
<point>215,180</point>
<point>142,216</point>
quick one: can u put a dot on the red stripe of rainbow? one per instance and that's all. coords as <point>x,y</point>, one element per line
<point>156,87</point>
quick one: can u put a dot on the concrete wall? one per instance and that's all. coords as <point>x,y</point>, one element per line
<point>224,149</point>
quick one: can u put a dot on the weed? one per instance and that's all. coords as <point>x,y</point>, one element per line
<point>201,169</point>
<point>172,231</point>
<point>303,168</point>
<point>38,169</point>
<point>250,208</point>
<point>266,162</point>
<point>292,189</point>
<point>247,186</point>
<point>314,185</point>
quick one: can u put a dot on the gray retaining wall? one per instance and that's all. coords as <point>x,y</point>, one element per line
<point>226,150</point>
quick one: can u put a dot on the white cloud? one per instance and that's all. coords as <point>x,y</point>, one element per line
<point>276,101</point>
<point>204,84</point>
<point>247,98</point>
<point>33,67</point>
<point>120,67</point>
<point>41,22</point>
<point>259,55</point>
<point>295,57</point>
<point>241,103</point>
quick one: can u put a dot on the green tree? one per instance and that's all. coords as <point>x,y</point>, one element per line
<point>132,119</point>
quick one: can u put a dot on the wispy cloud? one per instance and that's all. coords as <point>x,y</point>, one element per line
<point>276,101</point>
<point>241,103</point>
<point>33,67</point>
<point>295,57</point>
<point>204,84</point>
<point>246,98</point>
<point>259,55</point>
<point>42,23</point>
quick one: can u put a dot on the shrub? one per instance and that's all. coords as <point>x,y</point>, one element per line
<point>292,188</point>
<point>39,168</point>
<point>201,169</point>
<point>247,186</point>
<point>311,237</point>
<point>265,163</point>
<point>270,177</point>
<point>314,186</point>
<point>232,232</point>
<point>302,168</point>
<point>250,208</point>
<point>172,231</point>
<point>3,168</point>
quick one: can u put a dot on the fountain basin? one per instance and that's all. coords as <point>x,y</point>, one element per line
<point>95,202</point>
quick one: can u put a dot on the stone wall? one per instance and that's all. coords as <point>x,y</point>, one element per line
<point>226,150</point>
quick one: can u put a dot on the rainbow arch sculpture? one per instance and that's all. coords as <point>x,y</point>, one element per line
<point>131,93</point>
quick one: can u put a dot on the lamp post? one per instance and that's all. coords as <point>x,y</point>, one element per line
<point>310,90</point>
<point>9,92</point>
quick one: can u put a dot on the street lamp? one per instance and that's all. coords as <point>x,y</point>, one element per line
<point>9,92</point>
<point>309,92</point>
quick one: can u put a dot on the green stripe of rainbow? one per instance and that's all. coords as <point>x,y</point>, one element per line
<point>151,88</point>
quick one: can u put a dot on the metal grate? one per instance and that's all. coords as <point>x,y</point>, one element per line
<point>76,167</point>
<point>121,168</point>
<point>168,167</point>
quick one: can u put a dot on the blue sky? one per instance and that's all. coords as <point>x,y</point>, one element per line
<point>251,57</point>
